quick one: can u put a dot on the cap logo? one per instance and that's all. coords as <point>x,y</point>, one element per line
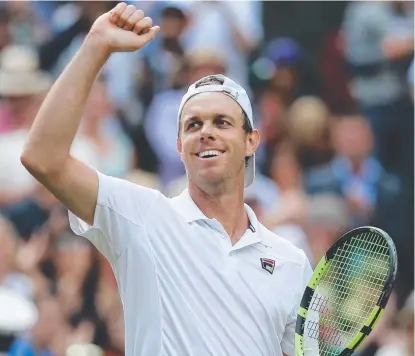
<point>268,265</point>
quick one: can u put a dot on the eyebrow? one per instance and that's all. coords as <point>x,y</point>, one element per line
<point>190,119</point>
<point>216,117</point>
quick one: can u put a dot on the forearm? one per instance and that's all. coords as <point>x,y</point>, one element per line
<point>58,119</point>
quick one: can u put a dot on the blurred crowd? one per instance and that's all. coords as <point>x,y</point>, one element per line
<point>337,150</point>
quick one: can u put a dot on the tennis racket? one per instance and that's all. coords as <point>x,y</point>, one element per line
<point>347,294</point>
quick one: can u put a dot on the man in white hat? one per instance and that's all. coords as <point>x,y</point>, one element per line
<point>22,87</point>
<point>197,274</point>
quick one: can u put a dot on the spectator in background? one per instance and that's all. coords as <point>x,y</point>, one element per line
<point>10,276</point>
<point>380,335</point>
<point>399,340</point>
<point>353,172</point>
<point>379,47</point>
<point>26,26</point>
<point>379,44</point>
<point>272,127</point>
<point>115,324</point>
<point>165,57</point>
<point>45,338</point>
<point>309,128</point>
<point>70,23</point>
<point>277,67</point>
<point>161,119</point>
<point>232,28</point>
<point>285,67</point>
<point>77,286</point>
<point>160,67</point>
<point>30,214</point>
<point>327,219</point>
<point>287,217</point>
<point>22,87</point>
<point>285,55</point>
<point>262,195</point>
<point>101,140</point>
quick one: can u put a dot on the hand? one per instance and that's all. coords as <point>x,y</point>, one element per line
<point>82,334</point>
<point>123,29</point>
<point>395,48</point>
<point>359,207</point>
<point>31,253</point>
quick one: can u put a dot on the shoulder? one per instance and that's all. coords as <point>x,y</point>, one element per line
<point>126,198</point>
<point>281,248</point>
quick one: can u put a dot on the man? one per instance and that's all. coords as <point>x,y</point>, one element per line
<point>197,274</point>
<point>160,123</point>
<point>22,87</point>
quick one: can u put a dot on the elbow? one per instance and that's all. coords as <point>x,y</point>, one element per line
<point>31,165</point>
<point>34,166</point>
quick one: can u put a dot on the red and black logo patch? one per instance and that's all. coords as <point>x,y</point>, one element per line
<point>268,265</point>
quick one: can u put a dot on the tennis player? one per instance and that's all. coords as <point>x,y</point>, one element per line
<point>197,274</point>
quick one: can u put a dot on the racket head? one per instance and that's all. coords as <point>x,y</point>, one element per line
<point>347,293</point>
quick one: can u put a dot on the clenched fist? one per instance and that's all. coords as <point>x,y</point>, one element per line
<point>123,29</point>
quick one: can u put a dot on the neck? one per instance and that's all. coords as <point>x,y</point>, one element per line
<point>224,205</point>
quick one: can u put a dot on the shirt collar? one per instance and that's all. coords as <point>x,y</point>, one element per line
<point>191,212</point>
<point>188,208</point>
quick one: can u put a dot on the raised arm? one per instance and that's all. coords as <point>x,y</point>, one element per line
<point>46,155</point>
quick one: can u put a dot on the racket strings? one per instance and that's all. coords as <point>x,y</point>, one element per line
<point>348,292</point>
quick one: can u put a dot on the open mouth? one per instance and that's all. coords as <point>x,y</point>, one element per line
<point>209,154</point>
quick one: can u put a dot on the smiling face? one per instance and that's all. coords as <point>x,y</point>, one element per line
<point>212,143</point>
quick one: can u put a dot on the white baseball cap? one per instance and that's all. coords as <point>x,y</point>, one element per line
<point>220,83</point>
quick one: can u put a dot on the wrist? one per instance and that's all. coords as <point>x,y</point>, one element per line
<point>98,45</point>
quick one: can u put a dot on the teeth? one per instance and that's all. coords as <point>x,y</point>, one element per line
<point>209,153</point>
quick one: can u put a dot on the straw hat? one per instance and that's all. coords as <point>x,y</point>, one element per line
<point>309,117</point>
<point>19,72</point>
<point>205,56</point>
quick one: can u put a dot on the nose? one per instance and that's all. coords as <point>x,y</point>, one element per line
<point>207,132</point>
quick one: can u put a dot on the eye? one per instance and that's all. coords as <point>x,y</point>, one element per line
<point>193,125</point>
<point>222,122</point>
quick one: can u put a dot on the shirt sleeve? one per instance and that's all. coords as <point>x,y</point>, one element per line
<point>121,212</point>
<point>288,339</point>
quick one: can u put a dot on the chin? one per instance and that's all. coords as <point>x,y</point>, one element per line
<point>211,179</point>
<point>208,177</point>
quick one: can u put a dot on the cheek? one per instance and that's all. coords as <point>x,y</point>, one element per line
<point>186,149</point>
<point>240,147</point>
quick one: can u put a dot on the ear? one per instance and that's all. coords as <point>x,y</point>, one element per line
<point>179,146</point>
<point>252,142</point>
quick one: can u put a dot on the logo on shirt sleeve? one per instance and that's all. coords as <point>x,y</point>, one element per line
<point>268,265</point>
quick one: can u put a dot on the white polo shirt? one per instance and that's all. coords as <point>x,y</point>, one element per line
<point>185,289</point>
